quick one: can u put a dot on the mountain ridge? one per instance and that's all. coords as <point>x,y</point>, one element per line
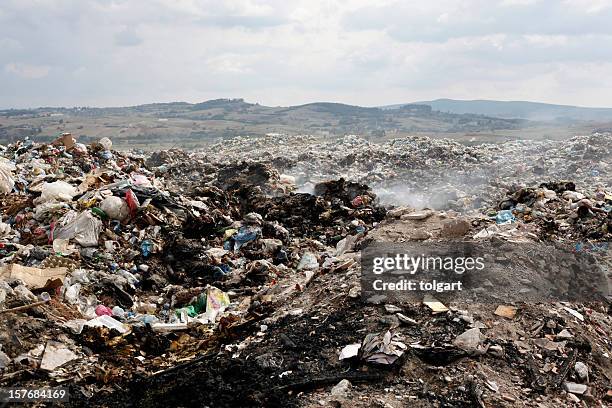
<point>535,111</point>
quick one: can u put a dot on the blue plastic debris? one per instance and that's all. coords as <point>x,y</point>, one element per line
<point>146,247</point>
<point>505,217</point>
<point>244,235</point>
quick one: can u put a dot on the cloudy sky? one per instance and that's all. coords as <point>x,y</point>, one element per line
<point>285,52</point>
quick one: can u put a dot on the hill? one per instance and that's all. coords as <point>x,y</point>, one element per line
<point>188,125</point>
<point>534,111</point>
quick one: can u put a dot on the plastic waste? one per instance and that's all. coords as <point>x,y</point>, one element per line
<point>56,191</point>
<point>32,277</point>
<point>7,181</point>
<point>106,143</point>
<point>118,312</point>
<point>115,208</point>
<point>308,261</point>
<point>56,354</point>
<point>216,302</point>
<point>72,293</point>
<point>84,230</point>
<point>505,217</point>
<point>245,235</point>
<point>5,229</point>
<point>108,322</point>
<point>63,247</point>
<point>103,310</point>
<point>140,180</point>
<point>146,247</point>
<point>132,202</point>
<point>75,325</point>
<point>98,212</point>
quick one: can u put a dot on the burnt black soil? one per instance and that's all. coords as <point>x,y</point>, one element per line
<point>305,347</point>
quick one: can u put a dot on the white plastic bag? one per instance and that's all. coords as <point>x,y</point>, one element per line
<point>56,191</point>
<point>115,207</point>
<point>106,143</point>
<point>7,182</point>
<point>84,230</point>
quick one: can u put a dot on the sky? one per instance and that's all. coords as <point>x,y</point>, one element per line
<point>286,52</point>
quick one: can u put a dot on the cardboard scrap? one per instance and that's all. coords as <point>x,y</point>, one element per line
<point>506,311</point>
<point>34,278</point>
<point>434,304</point>
<point>66,139</point>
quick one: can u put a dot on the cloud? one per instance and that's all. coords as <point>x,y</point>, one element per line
<point>127,38</point>
<point>27,71</point>
<point>444,20</point>
<point>280,52</point>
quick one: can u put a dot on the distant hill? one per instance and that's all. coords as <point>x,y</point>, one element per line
<point>534,111</point>
<point>187,124</point>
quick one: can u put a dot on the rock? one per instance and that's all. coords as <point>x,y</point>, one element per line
<point>342,389</point>
<point>419,235</point>
<point>4,360</point>
<point>575,388</point>
<point>582,371</point>
<point>455,228</point>
<point>419,215</point>
<point>492,385</point>
<point>469,340</point>
<point>573,398</point>
<point>508,398</point>
<point>398,212</point>
<point>496,350</point>
<point>564,335</point>
<point>354,292</point>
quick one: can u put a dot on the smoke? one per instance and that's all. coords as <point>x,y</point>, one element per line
<point>438,191</point>
<point>405,196</point>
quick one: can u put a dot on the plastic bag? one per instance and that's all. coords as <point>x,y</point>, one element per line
<point>106,143</point>
<point>5,229</point>
<point>140,180</point>
<point>56,191</point>
<point>84,230</point>
<point>132,201</point>
<point>505,217</point>
<point>7,182</point>
<point>309,261</point>
<point>216,302</point>
<point>47,211</point>
<point>115,208</point>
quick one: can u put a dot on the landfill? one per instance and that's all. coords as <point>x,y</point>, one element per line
<point>230,276</point>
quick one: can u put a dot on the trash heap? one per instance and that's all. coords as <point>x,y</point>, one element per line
<point>231,276</point>
<point>423,172</point>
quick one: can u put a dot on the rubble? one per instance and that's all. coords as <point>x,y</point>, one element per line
<point>234,272</point>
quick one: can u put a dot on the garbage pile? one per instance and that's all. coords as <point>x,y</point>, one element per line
<point>231,276</point>
<point>422,172</point>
